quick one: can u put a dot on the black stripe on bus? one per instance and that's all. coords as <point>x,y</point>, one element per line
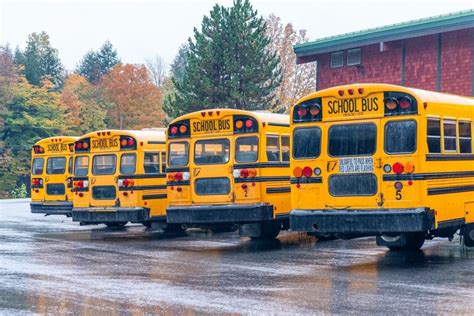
<point>454,157</point>
<point>263,165</point>
<point>261,179</point>
<point>156,142</point>
<point>306,180</point>
<point>175,183</point>
<point>448,190</point>
<point>143,176</point>
<point>278,124</point>
<point>80,189</point>
<point>80,178</point>
<point>428,176</point>
<point>154,196</point>
<point>143,187</point>
<point>279,190</point>
<point>177,169</point>
<point>452,222</point>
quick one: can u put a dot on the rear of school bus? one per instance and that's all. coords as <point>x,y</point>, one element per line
<point>229,167</point>
<point>360,165</point>
<point>51,172</point>
<point>119,178</point>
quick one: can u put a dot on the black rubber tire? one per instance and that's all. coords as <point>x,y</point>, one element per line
<point>173,228</point>
<point>468,234</point>
<point>414,241</point>
<point>115,224</point>
<point>269,230</point>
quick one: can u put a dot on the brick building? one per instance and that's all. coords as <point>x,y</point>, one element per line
<point>435,53</point>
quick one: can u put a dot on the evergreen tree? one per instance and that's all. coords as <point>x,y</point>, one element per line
<point>229,63</point>
<point>178,69</point>
<point>96,64</point>
<point>40,61</point>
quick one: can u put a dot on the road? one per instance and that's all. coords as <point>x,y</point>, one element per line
<point>51,265</point>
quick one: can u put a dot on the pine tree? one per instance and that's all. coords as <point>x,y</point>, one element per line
<point>40,61</point>
<point>177,72</point>
<point>94,65</point>
<point>229,63</point>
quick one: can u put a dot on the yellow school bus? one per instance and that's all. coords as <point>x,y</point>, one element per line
<point>383,160</point>
<point>119,177</point>
<point>51,172</point>
<point>229,167</point>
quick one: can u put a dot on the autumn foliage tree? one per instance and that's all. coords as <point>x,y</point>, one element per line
<point>135,102</point>
<point>297,80</point>
<point>85,109</point>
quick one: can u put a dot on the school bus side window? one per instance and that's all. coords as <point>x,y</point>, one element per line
<point>151,163</point>
<point>285,148</point>
<point>400,137</point>
<point>178,154</point>
<point>273,148</point>
<point>56,165</point>
<point>246,149</point>
<point>449,129</point>
<point>81,166</point>
<point>465,138</point>
<point>434,136</point>
<point>128,163</point>
<point>37,168</point>
<point>163,161</point>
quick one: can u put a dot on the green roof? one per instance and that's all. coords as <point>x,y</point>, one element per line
<point>410,29</point>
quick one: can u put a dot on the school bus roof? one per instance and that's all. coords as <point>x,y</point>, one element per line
<point>422,95</point>
<point>261,116</point>
<point>59,139</point>
<point>156,134</point>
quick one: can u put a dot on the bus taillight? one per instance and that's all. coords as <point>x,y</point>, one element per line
<point>298,172</point>
<point>174,130</point>
<point>405,102</point>
<point>127,142</point>
<point>36,183</point>
<point>178,176</point>
<point>244,173</point>
<point>307,172</point>
<point>397,168</point>
<point>409,167</point>
<point>399,103</point>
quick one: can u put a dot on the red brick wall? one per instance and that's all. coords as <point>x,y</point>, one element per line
<point>456,62</point>
<point>421,62</point>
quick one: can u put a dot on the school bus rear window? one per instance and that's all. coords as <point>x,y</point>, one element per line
<point>151,163</point>
<point>352,140</point>
<point>178,154</point>
<point>104,164</point>
<point>211,151</point>
<point>307,142</point>
<point>246,149</point>
<point>81,166</point>
<point>56,165</point>
<point>37,167</point>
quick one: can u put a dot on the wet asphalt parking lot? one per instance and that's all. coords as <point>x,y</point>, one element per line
<point>51,265</point>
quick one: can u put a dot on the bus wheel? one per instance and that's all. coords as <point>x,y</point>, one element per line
<point>468,233</point>
<point>269,230</point>
<point>413,241</point>
<point>173,228</point>
<point>115,224</point>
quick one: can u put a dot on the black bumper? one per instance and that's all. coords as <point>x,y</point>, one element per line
<point>111,215</point>
<point>362,222</point>
<point>219,214</point>
<point>51,208</point>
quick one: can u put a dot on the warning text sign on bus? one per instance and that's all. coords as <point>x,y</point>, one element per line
<point>105,144</point>
<point>219,126</point>
<point>356,165</point>
<point>370,106</point>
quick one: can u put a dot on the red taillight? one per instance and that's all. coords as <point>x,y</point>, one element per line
<point>178,176</point>
<point>244,173</point>
<point>248,123</point>
<point>85,145</point>
<point>314,110</point>
<point>79,145</point>
<point>130,142</point>
<point>307,172</point>
<point>302,111</point>
<point>174,130</point>
<point>397,168</point>
<point>405,103</point>
<point>125,183</point>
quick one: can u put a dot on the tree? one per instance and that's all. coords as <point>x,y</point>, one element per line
<point>229,63</point>
<point>297,80</point>
<point>135,100</point>
<point>31,114</point>
<point>156,69</point>
<point>84,107</point>
<point>94,65</point>
<point>178,69</point>
<point>40,61</point>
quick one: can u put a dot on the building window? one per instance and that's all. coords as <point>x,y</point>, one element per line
<point>337,59</point>
<point>353,57</point>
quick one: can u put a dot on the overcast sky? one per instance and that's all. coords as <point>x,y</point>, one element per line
<point>143,28</point>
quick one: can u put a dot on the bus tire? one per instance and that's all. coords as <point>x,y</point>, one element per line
<point>413,241</point>
<point>269,230</point>
<point>115,224</point>
<point>468,234</point>
<point>173,228</point>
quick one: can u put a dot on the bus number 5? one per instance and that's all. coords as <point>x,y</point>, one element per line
<point>398,195</point>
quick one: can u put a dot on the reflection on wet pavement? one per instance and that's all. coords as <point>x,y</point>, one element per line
<point>51,265</point>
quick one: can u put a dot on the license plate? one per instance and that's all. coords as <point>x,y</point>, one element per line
<point>356,165</point>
